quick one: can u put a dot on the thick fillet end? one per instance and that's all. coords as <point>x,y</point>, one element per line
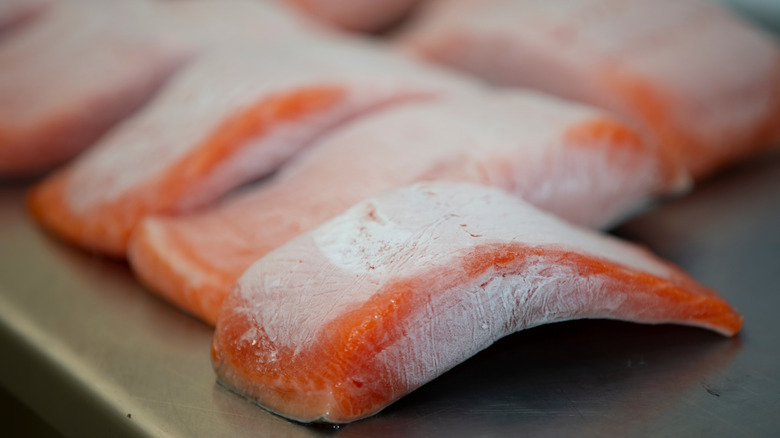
<point>255,369</point>
<point>96,230</point>
<point>47,202</point>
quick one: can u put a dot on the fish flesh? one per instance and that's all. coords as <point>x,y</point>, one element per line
<point>233,115</point>
<point>700,79</point>
<point>84,65</point>
<point>343,320</point>
<point>67,76</point>
<point>356,15</point>
<point>573,160</point>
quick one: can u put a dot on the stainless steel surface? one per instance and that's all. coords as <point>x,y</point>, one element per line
<point>96,355</point>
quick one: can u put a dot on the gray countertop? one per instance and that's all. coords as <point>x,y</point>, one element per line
<point>91,351</point>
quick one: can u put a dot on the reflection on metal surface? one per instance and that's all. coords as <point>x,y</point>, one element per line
<point>610,378</point>
<point>94,353</point>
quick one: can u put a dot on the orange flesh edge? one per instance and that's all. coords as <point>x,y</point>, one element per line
<point>590,133</point>
<point>597,131</point>
<point>349,343</point>
<point>48,201</point>
<point>617,135</point>
<point>653,109</point>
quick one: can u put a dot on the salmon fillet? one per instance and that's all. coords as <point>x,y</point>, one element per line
<point>705,83</point>
<point>230,117</point>
<point>572,160</point>
<point>344,320</point>
<point>356,15</point>
<point>84,65</point>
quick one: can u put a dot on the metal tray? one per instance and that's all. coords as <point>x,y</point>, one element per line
<point>94,354</point>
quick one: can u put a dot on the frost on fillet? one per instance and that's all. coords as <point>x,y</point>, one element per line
<point>343,320</point>
<point>572,160</point>
<point>230,117</point>
<point>704,82</point>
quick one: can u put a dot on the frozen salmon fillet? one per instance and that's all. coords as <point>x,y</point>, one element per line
<point>575,161</point>
<point>84,65</point>
<point>73,72</point>
<point>230,117</point>
<point>343,320</point>
<point>356,15</point>
<point>704,82</point>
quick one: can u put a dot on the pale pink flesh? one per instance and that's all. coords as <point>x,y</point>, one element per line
<point>343,320</point>
<point>84,65</point>
<point>522,142</point>
<point>147,165</point>
<point>707,84</point>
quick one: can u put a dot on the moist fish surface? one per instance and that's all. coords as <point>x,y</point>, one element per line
<point>343,320</point>
<point>572,160</point>
<point>704,82</point>
<point>229,117</point>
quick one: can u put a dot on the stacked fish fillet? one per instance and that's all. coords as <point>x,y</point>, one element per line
<point>393,226</point>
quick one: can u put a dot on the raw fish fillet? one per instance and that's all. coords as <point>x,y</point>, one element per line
<point>572,160</point>
<point>70,74</point>
<point>356,15</point>
<point>344,320</point>
<point>84,65</point>
<point>704,82</point>
<point>230,117</point>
